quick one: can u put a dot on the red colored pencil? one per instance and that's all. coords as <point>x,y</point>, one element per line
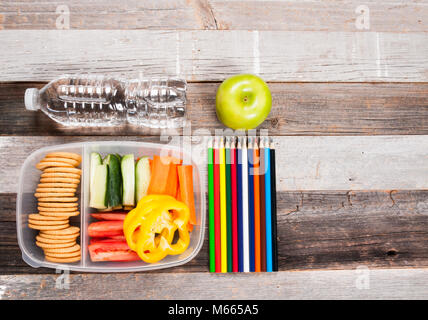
<point>217,207</point>
<point>234,207</point>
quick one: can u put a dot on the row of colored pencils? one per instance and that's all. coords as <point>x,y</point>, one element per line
<point>242,205</point>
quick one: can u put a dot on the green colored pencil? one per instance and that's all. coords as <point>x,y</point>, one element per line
<point>229,207</point>
<point>211,205</point>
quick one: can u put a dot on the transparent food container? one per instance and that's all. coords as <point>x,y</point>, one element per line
<point>26,203</point>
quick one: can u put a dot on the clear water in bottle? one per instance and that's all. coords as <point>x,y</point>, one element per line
<point>86,100</point>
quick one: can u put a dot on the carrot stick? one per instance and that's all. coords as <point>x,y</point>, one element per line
<point>185,178</point>
<point>164,178</point>
<point>172,182</point>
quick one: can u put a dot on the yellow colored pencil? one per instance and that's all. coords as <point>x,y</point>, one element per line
<point>223,210</point>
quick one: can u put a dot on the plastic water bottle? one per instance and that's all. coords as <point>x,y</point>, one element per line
<point>87,100</point>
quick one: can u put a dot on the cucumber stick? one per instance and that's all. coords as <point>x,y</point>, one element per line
<point>128,178</point>
<point>99,186</point>
<point>114,182</point>
<point>95,160</point>
<point>142,177</point>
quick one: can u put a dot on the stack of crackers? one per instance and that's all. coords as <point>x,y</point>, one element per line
<point>57,202</point>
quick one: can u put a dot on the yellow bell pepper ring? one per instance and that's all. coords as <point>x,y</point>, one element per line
<point>144,204</point>
<point>150,228</point>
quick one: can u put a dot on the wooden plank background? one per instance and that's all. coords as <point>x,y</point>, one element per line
<point>305,163</point>
<point>349,118</point>
<point>290,15</point>
<point>212,55</point>
<point>344,284</point>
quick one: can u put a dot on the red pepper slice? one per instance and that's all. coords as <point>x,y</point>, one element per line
<point>110,216</point>
<point>111,251</point>
<point>105,229</point>
<point>108,239</point>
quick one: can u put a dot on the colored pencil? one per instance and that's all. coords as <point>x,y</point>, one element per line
<point>256,207</point>
<point>262,208</point>
<point>251,205</point>
<point>269,260</point>
<point>239,207</point>
<point>245,214</point>
<point>234,206</point>
<point>223,208</point>
<point>211,206</point>
<point>217,224</point>
<point>228,206</point>
<point>274,208</point>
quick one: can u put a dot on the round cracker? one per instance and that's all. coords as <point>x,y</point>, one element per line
<point>44,165</point>
<point>69,237</point>
<point>60,214</point>
<point>60,175</point>
<point>36,216</point>
<point>72,162</point>
<point>59,180</point>
<point>48,228</point>
<point>69,230</point>
<point>63,260</point>
<point>62,154</point>
<point>46,246</point>
<point>56,190</point>
<point>62,254</point>
<point>63,169</point>
<point>54,195</point>
<point>48,222</point>
<point>58,204</point>
<point>55,241</point>
<point>70,249</point>
<point>58,199</point>
<point>57,185</point>
<point>63,209</point>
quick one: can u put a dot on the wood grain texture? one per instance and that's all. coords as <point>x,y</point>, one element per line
<point>392,15</point>
<point>110,14</point>
<point>34,55</point>
<point>382,284</point>
<point>298,109</point>
<point>319,15</point>
<point>316,230</point>
<point>303,163</point>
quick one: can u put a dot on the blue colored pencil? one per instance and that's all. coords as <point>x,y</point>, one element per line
<point>269,256</point>
<point>251,205</point>
<point>240,212</point>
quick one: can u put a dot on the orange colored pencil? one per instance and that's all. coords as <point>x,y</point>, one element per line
<point>256,160</point>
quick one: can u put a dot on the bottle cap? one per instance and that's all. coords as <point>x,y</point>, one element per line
<point>31,99</point>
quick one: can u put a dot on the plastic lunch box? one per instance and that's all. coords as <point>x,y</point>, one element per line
<point>26,203</point>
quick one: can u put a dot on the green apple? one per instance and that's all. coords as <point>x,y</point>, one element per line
<point>243,101</point>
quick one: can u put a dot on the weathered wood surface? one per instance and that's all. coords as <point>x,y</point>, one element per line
<point>304,163</point>
<point>298,109</point>
<point>295,41</point>
<point>316,230</point>
<point>392,15</point>
<point>344,284</point>
<point>37,55</point>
